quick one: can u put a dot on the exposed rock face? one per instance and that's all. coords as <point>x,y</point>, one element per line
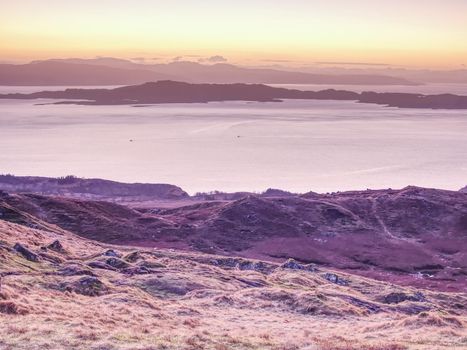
<point>396,298</point>
<point>111,252</point>
<point>243,264</point>
<point>88,285</point>
<point>26,253</point>
<point>11,308</point>
<point>137,270</point>
<point>463,190</point>
<point>132,257</point>
<point>56,246</point>
<point>333,278</point>
<point>295,265</point>
<point>101,265</point>
<point>75,270</point>
<point>117,263</point>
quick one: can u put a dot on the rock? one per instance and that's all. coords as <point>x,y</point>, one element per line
<point>168,286</point>
<point>75,270</point>
<point>252,265</point>
<point>56,246</point>
<point>399,297</point>
<point>368,306</point>
<point>295,265</point>
<point>413,309</point>
<point>112,253</point>
<point>88,285</point>
<point>101,265</point>
<point>132,257</point>
<point>111,263</point>
<point>137,270</point>
<point>12,308</point>
<point>151,264</point>
<point>26,253</point>
<point>333,278</point>
<point>52,258</point>
<point>251,283</point>
<point>117,263</point>
<point>227,262</point>
<point>242,264</point>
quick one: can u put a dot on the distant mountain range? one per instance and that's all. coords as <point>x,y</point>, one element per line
<point>423,76</point>
<point>179,92</point>
<point>112,71</point>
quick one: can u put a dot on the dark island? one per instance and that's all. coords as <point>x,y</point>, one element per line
<point>178,92</point>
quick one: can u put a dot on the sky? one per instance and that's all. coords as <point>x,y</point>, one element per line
<point>415,33</point>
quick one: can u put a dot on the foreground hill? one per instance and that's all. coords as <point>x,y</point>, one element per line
<point>412,236</point>
<point>60,291</point>
<point>180,92</point>
<point>109,71</point>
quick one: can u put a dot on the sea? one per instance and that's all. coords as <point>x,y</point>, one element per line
<point>295,145</point>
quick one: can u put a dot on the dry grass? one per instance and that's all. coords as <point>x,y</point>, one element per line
<point>188,303</point>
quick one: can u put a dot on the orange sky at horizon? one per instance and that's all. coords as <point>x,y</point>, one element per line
<point>429,33</point>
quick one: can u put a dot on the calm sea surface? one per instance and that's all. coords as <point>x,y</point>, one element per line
<point>295,145</point>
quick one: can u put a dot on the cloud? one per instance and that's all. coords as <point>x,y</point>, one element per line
<point>276,61</point>
<point>184,58</point>
<point>214,59</point>
<point>354,63</point>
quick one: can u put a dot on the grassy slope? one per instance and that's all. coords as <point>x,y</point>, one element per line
<point>195,301</point>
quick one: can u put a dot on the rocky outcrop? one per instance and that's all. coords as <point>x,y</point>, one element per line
<point>295,265</point>
<point>243,264</point>
<point>75,270</point>
<point>101,265</point>
<point>117,263</point>
<point>137,270</point>
<point>56,246</point>
<point>88,285</point>
<point>112,253</point>
<point>26,253</point>
<point>132,257</point>
<point>336,279</point>
<point>399,297</point>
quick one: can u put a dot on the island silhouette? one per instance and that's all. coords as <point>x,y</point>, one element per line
<point>167,91</point>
